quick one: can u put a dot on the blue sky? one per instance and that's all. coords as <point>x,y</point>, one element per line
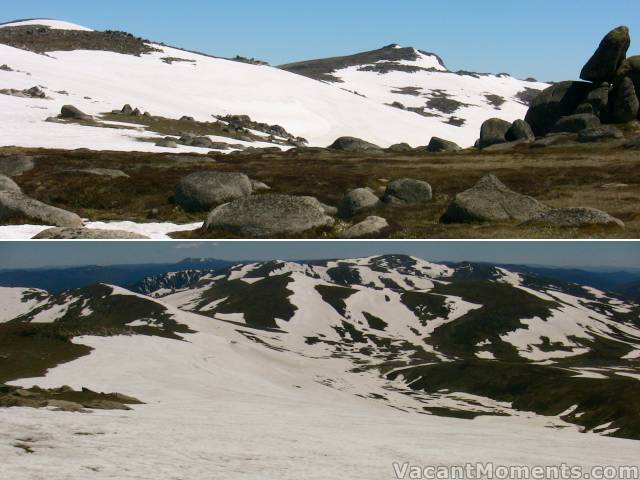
<point>577,254</point>
<point>547,39</point>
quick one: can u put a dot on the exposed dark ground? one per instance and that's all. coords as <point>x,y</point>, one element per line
<point>590,175</point>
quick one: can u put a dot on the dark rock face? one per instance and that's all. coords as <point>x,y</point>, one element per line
<point>352,144</point>
<point>438,145</point>
<point>606,60</point>
<point>69,111</point>
<point>598,100</point>
<point>400,147</point>
<point>201,191</point>
<point>493,131</point>
<point>624,101</point>
<point>87,234</point>
<point>407,191</point>
<point>576,123</point>
<point>604,132</point>
<point>520,130</point>
<point>490,200</point>
<point>555,102</point>
<point>576,217</point>
<point>269,215</point>
<point>357,201</point>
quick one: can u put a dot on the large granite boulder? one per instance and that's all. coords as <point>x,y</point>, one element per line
<point>576,123</point>
<point>439,145</point>
<point>15,165</point>
<point>357,201</point>
<point>407,191</point>
<point>520,130</point>
<point>608,57</point>
<point>353,144</point>
<point>370,227</point>
<point>602,133</point>
<point>493,131</point>
<point>17,205</point>
<point>200,191</point>
<point>559,100</point>
<point>71,112</point>
<point>576,217</point>
<point>490,200</point>
<point>269,215</point>
<point>624,101</point>
<point>8,185</point>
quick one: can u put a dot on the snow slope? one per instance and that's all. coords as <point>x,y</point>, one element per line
<point>202,86</point>
<point>45,22</point>
<point>428,80</point>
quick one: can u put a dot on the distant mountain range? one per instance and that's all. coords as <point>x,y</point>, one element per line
<point>446,340</point>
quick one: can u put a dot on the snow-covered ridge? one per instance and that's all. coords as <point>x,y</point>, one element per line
<point>47,22</point>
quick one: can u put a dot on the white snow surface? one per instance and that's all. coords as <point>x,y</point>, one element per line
<point>13,304</point>
<point>100,81</point>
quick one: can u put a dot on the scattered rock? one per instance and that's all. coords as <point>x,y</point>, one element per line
<point>69,111</point>
<point>87,234</point>
<point>370,227</point>
<point>493,131</point>
<point>357,201</point>
<point>407,191</point>
<point>557,101</point>
<point>8,185</point>
<point>520,130</point>
<point>65,406</point>
<point>186,118</point>
<point>491,200</point>
<point>201,191</point>
<point>127,110</point>
<point>15,204</point>
<point>269,215</point>
<point>606,60</point>
<point>437,145</point>
<point>576,217</point>
<point>604,132</point>
<point>576,123</point>
<point>167,143</point>
<point>400,147</point>
<point>502,147</point>
<point>352,144</point>
<point>624,101</point>
<point>15,165</point>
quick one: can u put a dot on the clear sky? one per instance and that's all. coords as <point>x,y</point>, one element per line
<point>546,39</point>
<point>577,254</point>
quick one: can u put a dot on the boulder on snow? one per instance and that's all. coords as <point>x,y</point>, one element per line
<point>127,110</point>
<point>520,130</point>
<point>576,217</point>
<point>201,191</point>
<point>576,123</point>
<point>69,111</point>
<point>493,131</point>
<point>357,201</point>
<point>370,227</point>
<point>407,191</point>
<point>490,200</point>
<point>624,101</point>
<point>604,132</point>
<point>352,144</point>
<point>15,165</point>
<point>17,205</point>
<point>269,215</point>
<point>557,101</point>
<point>167,143</point>
<point>438,145</point>
<point>608,57</point>
<point>87,234</point>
